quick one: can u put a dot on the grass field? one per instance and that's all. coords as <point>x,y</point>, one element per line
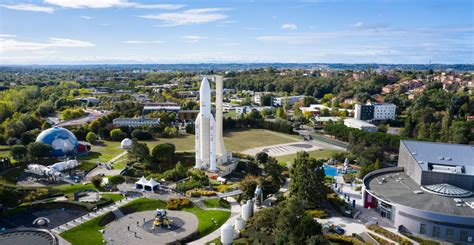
<point>322,154</point>
<point>206,217</point>
<point>234,141</point>
<point>86,233</point>
<point>216,203</point>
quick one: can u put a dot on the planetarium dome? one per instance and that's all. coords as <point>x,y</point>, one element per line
<point>63,141</point>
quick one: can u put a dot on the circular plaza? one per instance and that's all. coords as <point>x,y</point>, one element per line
<point>139,228</point>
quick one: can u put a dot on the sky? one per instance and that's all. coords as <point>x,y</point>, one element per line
<point>236,31</point>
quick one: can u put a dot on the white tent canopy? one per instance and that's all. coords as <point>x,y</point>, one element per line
<point>140,184</point>
<point>147,185</point>
<point>152,184</point>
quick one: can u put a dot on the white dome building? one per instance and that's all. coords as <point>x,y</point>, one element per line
<point>126,144</point>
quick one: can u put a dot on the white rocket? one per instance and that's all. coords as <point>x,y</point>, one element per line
<point>205,130</point>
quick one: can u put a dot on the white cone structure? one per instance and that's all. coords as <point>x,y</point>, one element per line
<point>220,147</point>
<point>205,130</point>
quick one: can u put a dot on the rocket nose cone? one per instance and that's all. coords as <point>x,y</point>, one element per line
<point>205,85</point>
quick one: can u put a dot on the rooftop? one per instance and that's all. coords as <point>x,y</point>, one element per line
<point>426,153</point>
<point>402,191</point>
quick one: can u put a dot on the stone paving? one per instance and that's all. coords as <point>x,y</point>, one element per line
<point>126,231</point>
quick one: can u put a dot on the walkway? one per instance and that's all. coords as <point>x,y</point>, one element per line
<point>73,223</point>
<point>104,170</point>
<point>236,209</point>
<point>126,231</point>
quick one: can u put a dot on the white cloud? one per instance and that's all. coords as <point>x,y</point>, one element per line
<point>110,4</point>
<point>142,42</point>
<point>86,17</point>
<point>161,6</point>
<point>11,44</point>
<point>231,44</point>
<point>289,27</point>
<point>358,24</point>
<point>6,35</point>
<point>28,7</point>
<point>193,39</point>
<point>191,16</point>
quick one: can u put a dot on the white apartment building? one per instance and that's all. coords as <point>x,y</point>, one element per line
<point>385,111</point>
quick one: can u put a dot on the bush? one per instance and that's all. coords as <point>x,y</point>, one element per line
<point>344,240</point>
<point>141,134</point>
<point>35,195</point>
<point>198,193</point>
<point>117,179</point>
<point>388,234</point>
<point>317,213</point>
<point>91,137</point>
<point>117,134</point>
<point>177,203</point>
<point>96,181</point>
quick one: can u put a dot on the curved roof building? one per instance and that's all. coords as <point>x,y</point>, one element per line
<point>430,193</point>
<point>63,141</point>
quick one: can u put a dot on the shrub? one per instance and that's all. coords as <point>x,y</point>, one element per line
<point>117,134</point>
<point>198,193</point>
<point>96,181</point>
<point>317,213</point>
<point>117,179</point>
<point>381,241</point>
<point>69,114</point>
<point>177,203</point>
<point>344,240</point>
<point>388,234</point>
<point>38,194</point>
<point>91,137</point>
<point>141,134</point>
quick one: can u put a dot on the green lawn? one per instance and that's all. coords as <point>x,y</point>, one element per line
<point>322,154</point>
<point>142,204</point>
<point>246,139</point>
<point>103,151</point>
<point>205,217</point>
<point>68,190</point>
<point>86,233</point>
<point>114,197</point>
<point>216,203</point>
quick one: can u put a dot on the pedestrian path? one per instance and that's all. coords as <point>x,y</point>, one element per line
<point>96,213</point>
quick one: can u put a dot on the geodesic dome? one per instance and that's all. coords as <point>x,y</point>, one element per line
<point>126,144</point>
<point>63,141</point>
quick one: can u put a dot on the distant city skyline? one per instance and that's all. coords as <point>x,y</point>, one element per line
<point>304,31</point>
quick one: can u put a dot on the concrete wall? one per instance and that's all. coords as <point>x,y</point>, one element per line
<point>406,160</point>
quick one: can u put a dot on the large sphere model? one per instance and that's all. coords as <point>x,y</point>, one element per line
<point>63,141</point>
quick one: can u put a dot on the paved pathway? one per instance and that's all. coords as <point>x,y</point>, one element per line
<point>126,231</point>
<point>235,212</point>
<point>73,223</point>
<point>284,149</point>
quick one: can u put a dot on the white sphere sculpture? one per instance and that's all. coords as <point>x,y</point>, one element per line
<point>126,144</point>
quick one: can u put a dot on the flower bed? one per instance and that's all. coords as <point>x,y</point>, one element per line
<point>390,235</point>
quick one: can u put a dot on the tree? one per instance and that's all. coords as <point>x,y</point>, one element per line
<point>307,179</point>
<point>38,149</point>
<point>163,152</point>
<point>141,134</point>
<point>294,226</point>
<point>117,179</point>
<point>45,125</point>
<point>280,113</point>
<point>117,134</point>
<point>94,126</point>
<point>96,181</point>
<point>459,132</point>
<point>91,137</point>
<point>138,151</point>
<point>248,186</point>
<point>261,157</point>
<point>18,152</point>
<point>170,132</point>
<point>445,124</point>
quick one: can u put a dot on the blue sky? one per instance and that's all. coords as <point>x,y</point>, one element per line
<point>330,31</point>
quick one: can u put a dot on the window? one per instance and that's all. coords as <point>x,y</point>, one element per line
<point>449,234</point>
<point>422,228</point>
<point>463,236</point>
<point>435,231</point>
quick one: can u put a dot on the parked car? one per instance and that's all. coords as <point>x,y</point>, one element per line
<point>338,230</point>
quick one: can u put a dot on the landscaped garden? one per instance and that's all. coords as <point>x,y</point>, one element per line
<point>89,232</point>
